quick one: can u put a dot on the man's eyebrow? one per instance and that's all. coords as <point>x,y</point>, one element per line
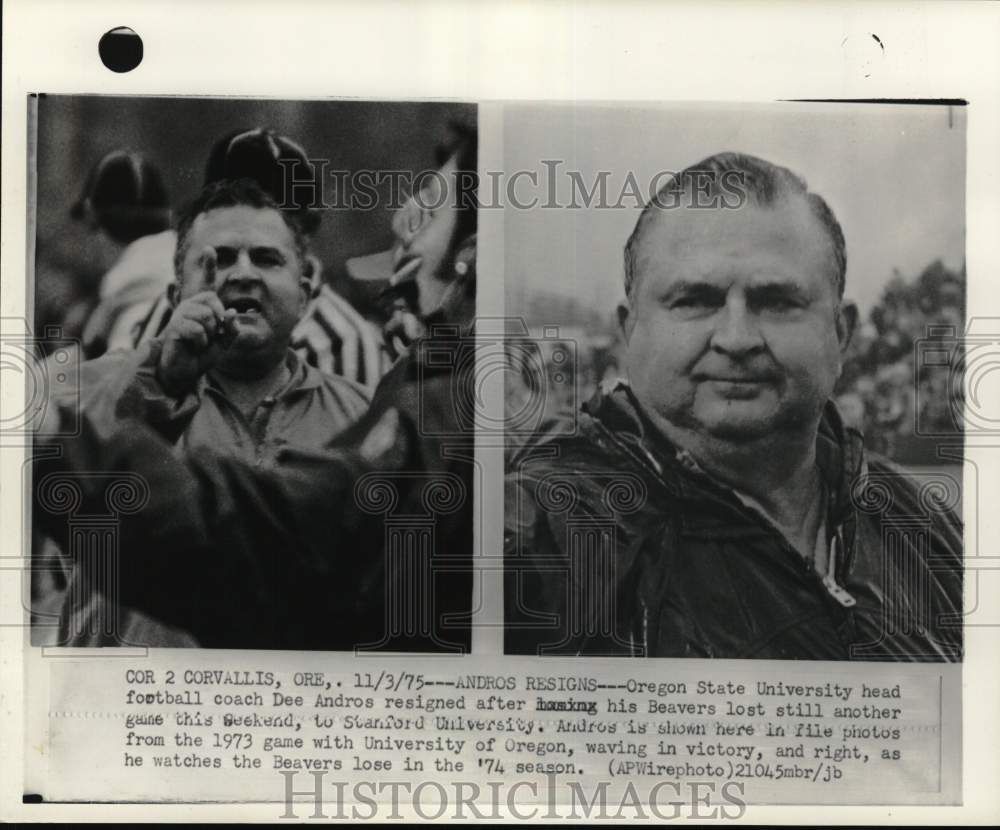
<point>777,288</point>
<point>256,250</point>
<point>696,287</point>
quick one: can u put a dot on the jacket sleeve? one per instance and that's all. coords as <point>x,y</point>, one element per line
<point>274,558</point>
<point>566,566</point>
<point>207,543</point>
<point>122,386</point>
<point>536,576</point>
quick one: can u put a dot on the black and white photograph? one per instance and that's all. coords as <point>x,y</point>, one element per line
<point>736,409</point>
<point>537,413</point>
<point>247,448</point>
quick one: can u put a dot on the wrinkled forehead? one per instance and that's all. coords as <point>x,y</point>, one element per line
<point>241,226</point>
<point>691,243</point>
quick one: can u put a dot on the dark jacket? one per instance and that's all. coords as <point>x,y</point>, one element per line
<point>331,549</point>
<point>618,544</point>
<point>311,410</point>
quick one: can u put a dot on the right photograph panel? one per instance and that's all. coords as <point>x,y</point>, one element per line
<point>734,393</point>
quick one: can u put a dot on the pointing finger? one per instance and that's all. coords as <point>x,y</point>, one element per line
<point>210,266</point>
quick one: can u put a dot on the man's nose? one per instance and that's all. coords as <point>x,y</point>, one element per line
<point>242,269</point>
<point>737,329</point>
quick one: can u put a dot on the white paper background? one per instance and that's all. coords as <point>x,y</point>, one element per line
<point>553,51</point>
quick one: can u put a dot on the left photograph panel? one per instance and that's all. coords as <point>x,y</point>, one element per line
<point>250,408</point>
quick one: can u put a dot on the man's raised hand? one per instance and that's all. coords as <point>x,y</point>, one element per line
<point>199,329</point>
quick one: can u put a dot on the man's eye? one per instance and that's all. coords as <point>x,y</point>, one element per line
<point>692,303</point>
<point>779,304</point>
<point>225,257</point>
<point>267,259</point>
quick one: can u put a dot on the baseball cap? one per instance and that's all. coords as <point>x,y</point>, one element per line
<point>126,195</point>
<point>278,164</point>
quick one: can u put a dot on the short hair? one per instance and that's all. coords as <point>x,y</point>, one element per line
<point>233,193</point>
<point>762,182</point>
<point>125,195</point>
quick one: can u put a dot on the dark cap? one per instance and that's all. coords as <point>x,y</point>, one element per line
<point>278,164</point>
<point>125,194</point>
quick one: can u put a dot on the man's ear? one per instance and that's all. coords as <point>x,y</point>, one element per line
<point>626,319</point>
<point>174,293</point>
<point>312,270</point>
<point>306,293</point>
<point>847,321</point>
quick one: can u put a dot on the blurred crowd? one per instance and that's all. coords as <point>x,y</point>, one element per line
<point>887,390</point>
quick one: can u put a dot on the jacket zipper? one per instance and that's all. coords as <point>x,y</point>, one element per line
<point>249,426</point>
<point>828,582</point>
<point>833,587</point>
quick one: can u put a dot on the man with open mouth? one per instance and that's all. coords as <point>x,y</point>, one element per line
<point>221,376</point>
<point>303,551</point>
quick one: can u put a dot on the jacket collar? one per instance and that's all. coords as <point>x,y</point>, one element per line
<point>839,448</point>
<point>302,377</point>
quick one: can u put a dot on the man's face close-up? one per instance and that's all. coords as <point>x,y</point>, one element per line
<point>733,325</point>
<point>258,273</point>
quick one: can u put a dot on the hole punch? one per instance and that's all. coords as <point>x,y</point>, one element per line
<point>120,49</point>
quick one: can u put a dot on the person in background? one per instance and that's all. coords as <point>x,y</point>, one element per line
<point>111,256</point>
<point>117,227</point>
<point>125,198</point>
<point>414,269</point>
